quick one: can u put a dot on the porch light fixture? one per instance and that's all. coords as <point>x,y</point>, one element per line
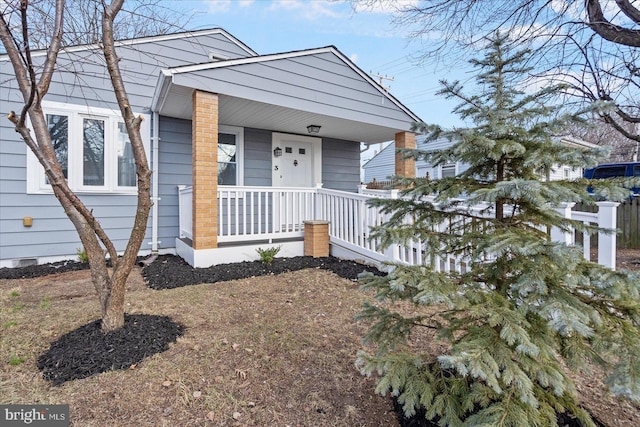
<point>277,152</point>
<point>313,128</point>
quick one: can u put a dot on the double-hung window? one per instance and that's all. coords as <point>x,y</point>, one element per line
<point>92,147</point>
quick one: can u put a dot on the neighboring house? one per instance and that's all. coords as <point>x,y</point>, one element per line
<point>381,166</point>
<point>217,114</point>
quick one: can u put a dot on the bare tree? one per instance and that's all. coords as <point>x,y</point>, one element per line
<point>33,80</point>
<point>82,23</point>
<point>600,133</point>
<point>590,45</point>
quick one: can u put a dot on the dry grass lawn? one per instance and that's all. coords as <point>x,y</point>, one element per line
<point>267,351</point>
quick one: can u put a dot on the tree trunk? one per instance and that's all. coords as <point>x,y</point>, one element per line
<point>113,307</point>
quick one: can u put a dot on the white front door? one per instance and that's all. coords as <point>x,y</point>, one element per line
<point>294,168</point>
<point>299,163</point>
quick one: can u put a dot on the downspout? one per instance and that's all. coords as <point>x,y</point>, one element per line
<point>159,96</point>
<point>155,139</point>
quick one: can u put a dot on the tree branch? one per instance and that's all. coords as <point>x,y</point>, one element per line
<point>607,30</point>
<point>628,9</point>
<point>52,51</point>
<point>132,124</point>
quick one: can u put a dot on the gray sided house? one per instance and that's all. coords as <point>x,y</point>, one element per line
<point>220,123</point>
<point>382,166</point>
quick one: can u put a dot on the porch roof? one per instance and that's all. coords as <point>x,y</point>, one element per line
<point>287,92</point>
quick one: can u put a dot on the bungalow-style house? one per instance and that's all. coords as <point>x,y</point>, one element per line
<point>381,166</point>
<point>237,142</point>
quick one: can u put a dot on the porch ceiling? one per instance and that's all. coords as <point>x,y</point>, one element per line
<point>235,111</point>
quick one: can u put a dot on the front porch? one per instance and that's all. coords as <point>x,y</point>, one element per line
<point>249,218</point>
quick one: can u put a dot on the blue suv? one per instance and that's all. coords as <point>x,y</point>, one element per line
<point>615,170</point>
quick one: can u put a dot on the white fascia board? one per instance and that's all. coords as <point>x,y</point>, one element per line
<point>150,39</point>
<point>572,141</point>
<point>162,87</point>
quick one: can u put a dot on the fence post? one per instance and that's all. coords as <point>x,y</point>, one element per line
<point>318,203</point>
<point>557,235</point>
<point>392,252</point>
<point>607,218</point>
<point>180,211</point>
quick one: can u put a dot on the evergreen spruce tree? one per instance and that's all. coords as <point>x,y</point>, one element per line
<point>524,308</point>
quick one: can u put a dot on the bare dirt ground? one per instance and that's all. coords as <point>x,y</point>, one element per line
<point>276,350</point>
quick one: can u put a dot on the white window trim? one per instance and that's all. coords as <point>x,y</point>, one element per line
<point>36,183</point>
<point>239,133</point>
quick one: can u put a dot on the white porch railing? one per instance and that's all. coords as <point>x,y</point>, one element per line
<point>258,213</point>
<point>185,206</point>
<point>264,213</point>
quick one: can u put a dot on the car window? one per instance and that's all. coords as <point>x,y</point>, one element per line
<point>636,170</point>
<point>609,171</point>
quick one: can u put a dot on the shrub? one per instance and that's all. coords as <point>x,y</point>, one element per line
<point>82,255</point>
<point>268,255</point>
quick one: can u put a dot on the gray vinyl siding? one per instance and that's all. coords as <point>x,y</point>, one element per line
<point>320,83</point>
<point>257,157</point>
<point>382,165</point>
<point>340,165</point>
<point>174,160</point>
<point>82,79</point>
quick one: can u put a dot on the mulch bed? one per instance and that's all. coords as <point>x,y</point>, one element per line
<point>86,351</point>
<point>419,420</point>
<point>169,271</point>
<point>42,270</point>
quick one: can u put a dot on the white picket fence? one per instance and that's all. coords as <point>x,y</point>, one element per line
<point>248,214</point>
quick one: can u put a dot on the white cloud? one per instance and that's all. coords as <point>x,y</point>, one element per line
<point>309,10</point>
<point>354,57</point>
<point>223,6</point>
<point>573,10</point>
<point>218,6</point>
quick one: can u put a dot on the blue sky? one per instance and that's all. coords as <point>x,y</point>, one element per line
<point>366,36</point>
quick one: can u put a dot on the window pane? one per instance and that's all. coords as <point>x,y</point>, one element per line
<point>227,174</point>
<point>59,131</point>
<point>449,170</point>
<point>93,152</point>
<point>227,150</point>
<point>126,162</point>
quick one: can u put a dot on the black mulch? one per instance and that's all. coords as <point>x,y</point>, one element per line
<point>169,271</point>
<point>42,270</point>
<point>86,351</point>
<point>419,420</point>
